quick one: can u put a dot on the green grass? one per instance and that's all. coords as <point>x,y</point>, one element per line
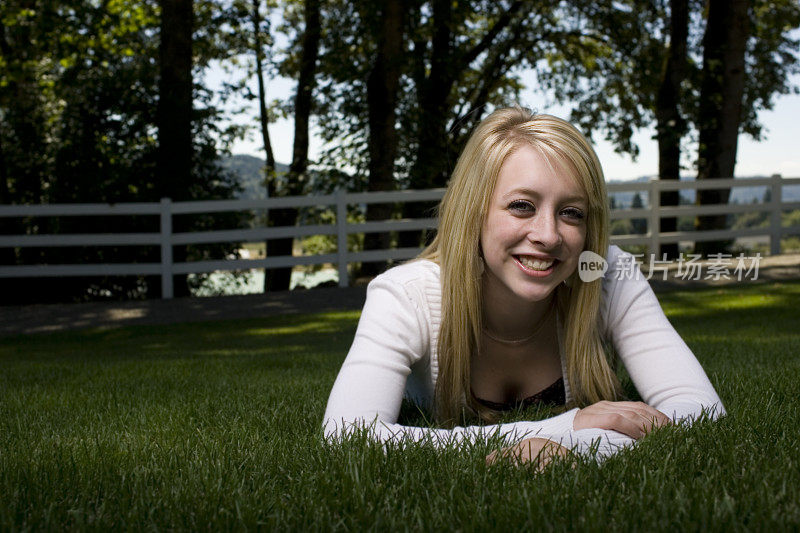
<point>215,426</point>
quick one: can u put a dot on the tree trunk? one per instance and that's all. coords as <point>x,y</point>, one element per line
<point>8,286</point>
<point>670,124</point>
<point>435,152</point>
<point>269,168</point>
<point>175,150</point>
<point>430,168</point>
<point>262,97</point>
<point>720,111</point>
<point>382,94</point>
<point>279,279</point>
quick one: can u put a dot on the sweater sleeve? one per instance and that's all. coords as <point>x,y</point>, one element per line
<point>393,335</point>
<point>663,369</point>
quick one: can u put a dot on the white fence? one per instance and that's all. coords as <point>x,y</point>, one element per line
<point>654,211</point>
<point>166,238</point>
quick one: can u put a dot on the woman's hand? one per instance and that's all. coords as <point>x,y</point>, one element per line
<point>635,419</point>
<point>535,450</point>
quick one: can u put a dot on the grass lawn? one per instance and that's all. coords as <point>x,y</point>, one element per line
<point>215,426</point>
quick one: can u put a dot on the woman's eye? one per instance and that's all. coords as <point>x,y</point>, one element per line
<point>522,206</point>
<point>573,213</point>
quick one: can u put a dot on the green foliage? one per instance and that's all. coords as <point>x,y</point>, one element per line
<point>457,68</point>
<point>78,103</point>
<point>609,68</point>
<point>772,58</point>
<point>621,227</point>
<point>217,426</point>
<point>327,244</point>
<point>754,219</point>
<point>791,218</point>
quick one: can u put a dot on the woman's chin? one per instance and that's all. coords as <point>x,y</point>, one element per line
<point>541,294</point>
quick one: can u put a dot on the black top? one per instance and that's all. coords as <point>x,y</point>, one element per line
<point>554,396</point>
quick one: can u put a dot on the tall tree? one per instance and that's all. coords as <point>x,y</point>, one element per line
<point>445,61</point>
<point>609,66</point>
<point>671,126</point>
<point>92,71</point>
<point>620,70</point>
<point>450,59</point>
<point>279,279</point>
<point>720,111</point>
<point>258,46</point>
<point>175,150</point>
<point>263,114</point>
<point>382,100</point>
<point>461,58</point>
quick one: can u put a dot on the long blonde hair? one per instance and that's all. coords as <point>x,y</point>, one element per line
<point>456,250</point>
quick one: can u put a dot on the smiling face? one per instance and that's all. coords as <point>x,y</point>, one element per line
<point>534,228</point>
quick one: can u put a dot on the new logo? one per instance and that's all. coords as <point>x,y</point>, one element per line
<point>591,266</point>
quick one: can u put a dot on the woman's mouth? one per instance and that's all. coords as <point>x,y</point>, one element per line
<point>535,264</point>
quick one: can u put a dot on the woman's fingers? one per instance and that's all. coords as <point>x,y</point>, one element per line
<point>535,450</point>
<point>651,413</point>
<point>634,419</point>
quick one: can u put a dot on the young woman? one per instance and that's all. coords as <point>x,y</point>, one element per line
<point>493,315</point>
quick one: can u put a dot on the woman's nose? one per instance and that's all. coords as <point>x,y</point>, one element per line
<point>544,230</point>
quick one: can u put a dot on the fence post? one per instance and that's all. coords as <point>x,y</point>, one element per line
<point>341,236</point>
<point>654,223</point>
<point>776,199</point>
<point>166,248</point>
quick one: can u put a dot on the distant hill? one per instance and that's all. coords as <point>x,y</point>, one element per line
<point>250,172</point>
<point>740,195</point>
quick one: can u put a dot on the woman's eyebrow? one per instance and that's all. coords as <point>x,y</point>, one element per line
<point>525,191</point>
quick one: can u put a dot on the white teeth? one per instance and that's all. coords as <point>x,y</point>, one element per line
<point>535,264</point>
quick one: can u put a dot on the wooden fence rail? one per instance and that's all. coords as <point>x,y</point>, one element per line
<point>166,238</point>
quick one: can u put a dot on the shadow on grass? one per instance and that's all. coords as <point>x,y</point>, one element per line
<point>325,333</point>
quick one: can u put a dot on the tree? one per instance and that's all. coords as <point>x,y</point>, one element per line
<point>622,73</point>
<point>263,114</point>
<point>609,66</point>
<point>279,279</point>
<point>23,121</point>
<point>258,47</point>
<point>670,124</point>
<point>638,225</point>
<point>450,79</point>
<point>458,57</point>
<point>92,72</point>
<point>382,97</point>
<point>720,110</point>
<point>175,150</point>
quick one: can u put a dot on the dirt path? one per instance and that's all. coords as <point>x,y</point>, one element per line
<point>47,318</point>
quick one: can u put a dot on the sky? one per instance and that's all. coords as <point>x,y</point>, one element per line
<point>777,153</point>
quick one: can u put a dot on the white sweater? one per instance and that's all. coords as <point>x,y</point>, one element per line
<point>394,354</point>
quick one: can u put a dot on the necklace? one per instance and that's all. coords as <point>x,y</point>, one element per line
<point>523,340</point>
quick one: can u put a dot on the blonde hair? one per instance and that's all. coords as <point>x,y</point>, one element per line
<point>456,250</point>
